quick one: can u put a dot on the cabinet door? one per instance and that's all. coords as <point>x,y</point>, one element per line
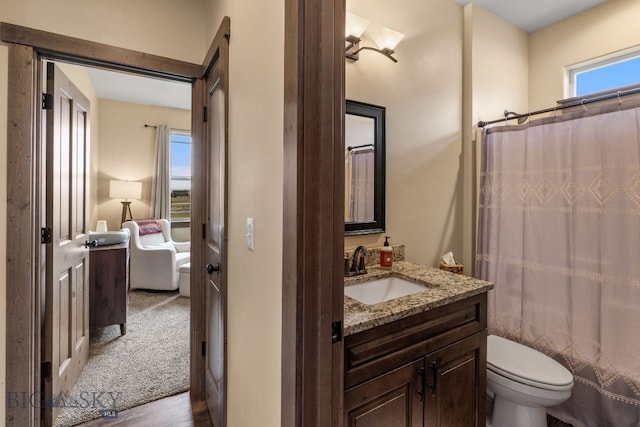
<point>109,279</point>
<point>392,399</point>
<point>456,384</point>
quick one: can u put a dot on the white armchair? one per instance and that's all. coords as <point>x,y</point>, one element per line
<point>155,257</point>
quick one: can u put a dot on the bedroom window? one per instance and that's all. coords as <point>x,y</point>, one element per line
<point>610,72</point>
<point>180,176</point>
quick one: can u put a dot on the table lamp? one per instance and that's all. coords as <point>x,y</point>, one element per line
<point>125,190</point>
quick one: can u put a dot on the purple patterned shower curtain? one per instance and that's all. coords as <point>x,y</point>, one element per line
<point>362,192</point>
<point>559,235</point>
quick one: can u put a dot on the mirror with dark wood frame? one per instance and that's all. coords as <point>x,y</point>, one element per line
<point>364,168</point>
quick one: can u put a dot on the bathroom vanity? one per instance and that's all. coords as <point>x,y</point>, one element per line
<point>420,359</point>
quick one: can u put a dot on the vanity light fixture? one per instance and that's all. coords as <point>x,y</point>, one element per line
<point>386,38</point>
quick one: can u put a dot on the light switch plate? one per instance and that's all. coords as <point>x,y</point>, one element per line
<point>250,233</point>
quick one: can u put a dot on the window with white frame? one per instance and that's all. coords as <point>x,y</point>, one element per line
<point>180,176</point>
<point>607,73</point>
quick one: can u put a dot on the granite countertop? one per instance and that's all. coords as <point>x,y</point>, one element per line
<point>444,288</point>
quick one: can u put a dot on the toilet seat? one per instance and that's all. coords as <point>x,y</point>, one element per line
<point>526,365</point>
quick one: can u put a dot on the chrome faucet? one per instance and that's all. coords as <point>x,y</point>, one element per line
<point>358,264</point>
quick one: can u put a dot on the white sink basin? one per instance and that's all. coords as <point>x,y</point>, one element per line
<point>381,290</point>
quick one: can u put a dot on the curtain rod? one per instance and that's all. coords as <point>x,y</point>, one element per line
<point>359,146</point>
<point>156,127</point>
<point>581,103</point>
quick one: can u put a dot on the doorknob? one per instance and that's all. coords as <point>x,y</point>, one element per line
<point>211,268</point>
<point>90,243</point>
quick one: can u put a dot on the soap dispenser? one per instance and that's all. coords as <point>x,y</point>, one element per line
<point>386,254</point>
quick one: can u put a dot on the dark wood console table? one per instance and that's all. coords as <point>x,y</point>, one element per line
<point>109,286</point>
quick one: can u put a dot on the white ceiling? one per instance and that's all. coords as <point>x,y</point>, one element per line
<point>532,15</point>
<point>140,90</point>
<point>529,15</point>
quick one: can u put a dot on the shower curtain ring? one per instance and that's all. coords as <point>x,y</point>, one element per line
<point>619,100</point>
<point>584,107</point>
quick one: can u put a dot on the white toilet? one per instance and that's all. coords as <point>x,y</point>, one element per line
<point>524,382</point>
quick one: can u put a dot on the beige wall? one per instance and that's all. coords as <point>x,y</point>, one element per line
<point>608,28</point>
<point>162,27</point>
<point>496,76</point>
<point>256,96</point>
<point>500,66</point>
<point>127,152</point>
<point>422,94</point>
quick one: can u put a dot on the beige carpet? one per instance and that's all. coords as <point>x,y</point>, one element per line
<point>148,363</point>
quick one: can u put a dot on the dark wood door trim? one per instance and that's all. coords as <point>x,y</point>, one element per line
<point>313,241</point>
<point>196,275</point>
<point>24,191</point>
<point>23,231</point>
<point>86,52</point>
<point>222,36</point>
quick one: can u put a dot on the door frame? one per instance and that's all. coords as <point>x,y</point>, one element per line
<point>313,217</point>
<point>24,274</point>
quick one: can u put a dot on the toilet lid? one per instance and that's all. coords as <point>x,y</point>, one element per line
<point>524,364</point>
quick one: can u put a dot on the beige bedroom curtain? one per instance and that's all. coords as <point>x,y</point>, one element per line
<point>559,235</point>
<point>161,181</point>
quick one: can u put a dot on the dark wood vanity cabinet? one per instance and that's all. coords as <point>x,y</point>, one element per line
<point>387,400</point>
<point>456,385</point>
<point>109,286</point>
<point>428,369</point>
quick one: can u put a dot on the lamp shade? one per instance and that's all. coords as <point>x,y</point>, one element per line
<point>125,189</point>
<point>386,38</point>
<point>355,25</point>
